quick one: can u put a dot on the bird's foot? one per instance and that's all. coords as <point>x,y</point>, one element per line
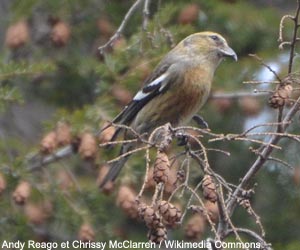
<point>200,121</point>
<point>182,138</point>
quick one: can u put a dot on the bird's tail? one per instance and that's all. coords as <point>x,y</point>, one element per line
<point>117,166</point>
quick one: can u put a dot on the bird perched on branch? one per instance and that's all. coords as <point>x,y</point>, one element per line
<point>175,91</point>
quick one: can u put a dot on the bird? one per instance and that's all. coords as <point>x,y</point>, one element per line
<point>174,92</point>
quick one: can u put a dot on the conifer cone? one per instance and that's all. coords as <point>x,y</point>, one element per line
<point>86,233</point>
<point>212,210</point>
<point>222,105</point>
<point>2,183</point>
<point>120,232</point>
<point>150,183</point>
<point>105,27</point>
<point>126,199</point>
<point>106,135</point>
<point>180,175</point>
<point>37,213</point>
<point>64,180</point>
<point>17,35</point>
<point>171,183</point>
<point>169,212</point>
<point>161,168</point>
<point>49,143</point>
<point>195,227</point>
<point>149,215</point>
<point>109,186</point>
<point>144,69</point>
<point>188,14</point>
<point>88,146</point>
<point>157,234</point>
<point>209,189</point>
<point>75,143</point>
<point>60,33</point>
<point>47,206</point>
<point>249,105</point>
<point>22,193</point>
<point>281,96</point>
<point>122,95</point>
<point>63,133</point>
<point>296,177</point>
<point>119,44</point>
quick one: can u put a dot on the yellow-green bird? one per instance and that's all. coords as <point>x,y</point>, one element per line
<point>175,91</point>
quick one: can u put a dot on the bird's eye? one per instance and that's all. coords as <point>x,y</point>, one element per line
<point>215,38</point>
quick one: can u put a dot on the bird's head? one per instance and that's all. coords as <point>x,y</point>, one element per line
<point>209,45</point>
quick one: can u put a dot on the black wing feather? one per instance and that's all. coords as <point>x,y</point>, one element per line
<point>130,111</point>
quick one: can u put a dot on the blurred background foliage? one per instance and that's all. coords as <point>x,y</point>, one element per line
<point>51,71</point>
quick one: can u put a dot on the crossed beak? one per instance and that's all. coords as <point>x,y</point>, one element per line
<point>227,51</point>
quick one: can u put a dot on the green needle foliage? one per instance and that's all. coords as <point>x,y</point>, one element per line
<point>43,82</point>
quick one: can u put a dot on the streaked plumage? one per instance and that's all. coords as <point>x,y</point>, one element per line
<point>178,87</point>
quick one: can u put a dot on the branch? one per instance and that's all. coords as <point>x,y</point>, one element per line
<point>253,235</point>
<point>265,65</point>
<point>146,14</point>
<point>119,31</point>
<point>237,95</point>
<point>129,153</point>
<point>281,26</point>
<point>267,149</point>
<point>294,39</point>
<point>281,162</point>
<point>262,158</point>
<point>60,154</point>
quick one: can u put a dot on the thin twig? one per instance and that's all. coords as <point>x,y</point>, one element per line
<point>261,125</point>
<point>219,151</point>
<point>120,30</point>
<point>206,163</point>
<point>281,162</point>
<point>146,174</point>
<point>239,137</point>
<point>200,130</point>
<point>129,153</point>
<point>294,39</point>
<point>262,158</point>
<point>266,66</point>
<point>227,216</point>
<point>158,191</point>
<point>146,14</point>
<point>291,136</point>
<point>110,143</point>
<point>281,26</point>
<point>281,46</point>
<point>264,244</point>
<point>245,203</point>
<point>266,150</point>
<point>73,177</point>
<point>60,154</point>
<point>260,82</point>
<point>206,214</point>
<point>131,130</point>
<point>236,95</point>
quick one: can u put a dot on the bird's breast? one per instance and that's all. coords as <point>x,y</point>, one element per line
<point>177,105</point>
<point>191,98</point>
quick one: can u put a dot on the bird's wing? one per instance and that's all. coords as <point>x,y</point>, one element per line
<point>157,83</point>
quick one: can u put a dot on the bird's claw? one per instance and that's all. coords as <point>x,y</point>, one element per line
<point>200,121</point>
<point>182,138</point>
